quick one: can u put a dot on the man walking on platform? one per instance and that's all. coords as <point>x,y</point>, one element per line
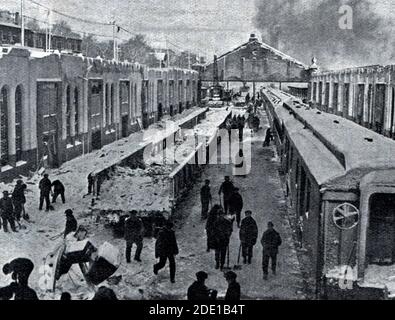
<point>227,190</point>
<point>271,240</point>
<point>236,205</point>
<point>248,236</point>
<point>205,198</point>
<point>134,232</point>
<point>165,249</point>
<point>223,231</point>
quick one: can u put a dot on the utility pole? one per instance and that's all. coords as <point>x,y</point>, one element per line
<point>49,30</point>
<point>167,54</point>
<point>22,26</point>
<point>189,59</point>
<point>114,41</point>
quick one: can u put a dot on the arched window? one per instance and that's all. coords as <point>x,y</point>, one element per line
<point>18,122</point>
<point>76,112</point>
<point>68,114</point>
<point>4,126</point>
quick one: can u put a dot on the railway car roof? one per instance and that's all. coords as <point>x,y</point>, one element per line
<point>331,145</point>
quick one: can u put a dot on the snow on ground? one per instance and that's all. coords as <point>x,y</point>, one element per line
<point>34,241</point>
<point>138,280</point>
<point>136,189</point>
<point>380,276</point>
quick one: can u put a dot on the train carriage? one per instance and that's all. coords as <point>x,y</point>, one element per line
<point>340,180</point>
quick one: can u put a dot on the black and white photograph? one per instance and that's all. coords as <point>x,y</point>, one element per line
<point>208,151</point>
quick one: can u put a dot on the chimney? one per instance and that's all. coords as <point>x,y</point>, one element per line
<point>253,37</point>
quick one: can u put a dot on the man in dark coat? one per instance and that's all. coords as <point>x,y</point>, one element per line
<point>166,248</point>
<point>248,236</point>
<point>227,189</point>
<point>268,137</point>
<point>71,222</point>
<point>233,292</point>
<point>134,232</point>
<point>58,189</point>
<point>205,198</point>
<point>222,232</point>
<point>19,289</point>
<point>19,199</point>
<point>271,240</point>
<point>210,226</point>
<point>7,212</point>
<point>236,205</point>
<point>198,290</point>
<point>45,186</point>
<point>20,269</point>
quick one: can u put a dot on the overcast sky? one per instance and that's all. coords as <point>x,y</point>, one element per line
<point>208,25</point>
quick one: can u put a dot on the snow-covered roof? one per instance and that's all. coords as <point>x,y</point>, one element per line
<point>358,70</point>
<point>266,47</point>
<point>332,145</point>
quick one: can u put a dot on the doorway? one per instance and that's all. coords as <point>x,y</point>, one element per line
<point>96,140</point>
<point>125,122</point>
<point>381,231</point>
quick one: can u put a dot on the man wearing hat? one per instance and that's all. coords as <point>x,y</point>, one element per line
<point>45,187</point>
<point>71,222</point>
<point>198,290</point>
<point>19,289</point>
<point>248,236</point>
<point>7,212</point>
<point>271,240</point>
<point>233,292</point>
<point>20,268</point>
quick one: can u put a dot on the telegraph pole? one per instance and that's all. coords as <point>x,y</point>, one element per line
<point>22,26</point>
<point>168,54</point>
<point>114,41</point>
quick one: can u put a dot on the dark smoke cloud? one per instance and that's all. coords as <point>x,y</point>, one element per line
<point>307,28</point>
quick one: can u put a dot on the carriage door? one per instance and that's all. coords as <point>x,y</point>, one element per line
<point>360,102</point>
<point>48,100</point>
<point>144,104</point>
<point>381,232</point>
<point>379,106</point>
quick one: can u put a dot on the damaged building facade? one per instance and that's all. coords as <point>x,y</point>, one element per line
<point>55,107</point>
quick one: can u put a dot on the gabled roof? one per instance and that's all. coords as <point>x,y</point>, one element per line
<point>266,47</point>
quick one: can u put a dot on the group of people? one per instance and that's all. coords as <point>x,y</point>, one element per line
<point>12,206</point>
<point>166,247</point>
<point>219,228</point>
<point>45,185</point>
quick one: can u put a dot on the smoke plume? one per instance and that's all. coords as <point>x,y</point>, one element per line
<point>307,28</point>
